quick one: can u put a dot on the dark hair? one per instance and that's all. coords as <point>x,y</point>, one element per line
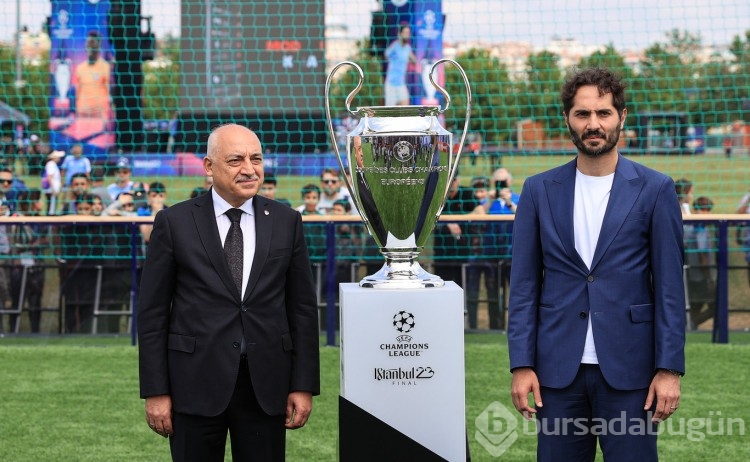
<point>157,187</point>
<point>344,203</point>
<point>269,178</point>
<point>480,182</point>
<point>331,171</point>
<point>703,203</point>
<point>199,191</point>
<point>79,175</point>
<point>308,188</point>
<point>86,199</point>
<point>682,187</point>
<point>97,173</point>
<point>25,198</point>
<point>603,79</point>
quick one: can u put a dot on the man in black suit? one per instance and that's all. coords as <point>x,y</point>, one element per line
<point>219,353</point>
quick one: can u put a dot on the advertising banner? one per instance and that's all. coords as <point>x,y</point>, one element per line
<point>80,77</point>
<point>425,19</point>
<point>427,41</point>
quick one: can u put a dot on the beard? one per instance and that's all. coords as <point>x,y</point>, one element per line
<point>607,141</point>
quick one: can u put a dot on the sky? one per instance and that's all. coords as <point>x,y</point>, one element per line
<point>631,24</point>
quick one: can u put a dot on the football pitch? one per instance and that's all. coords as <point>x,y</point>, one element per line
<point>76,399</point>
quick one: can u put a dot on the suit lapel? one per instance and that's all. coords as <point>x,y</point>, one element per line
<point>263,232</point>
<point>560,194</point>
<point>205,221</point>
<point>626,186</point>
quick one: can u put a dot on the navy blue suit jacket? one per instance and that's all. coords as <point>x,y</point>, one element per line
<point>633,292</point>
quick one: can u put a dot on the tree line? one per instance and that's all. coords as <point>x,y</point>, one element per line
<point>671,77</point>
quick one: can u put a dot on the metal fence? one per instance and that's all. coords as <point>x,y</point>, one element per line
<point>97,277</point>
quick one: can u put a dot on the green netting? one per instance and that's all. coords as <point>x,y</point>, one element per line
<point>264,63</point>
<point>169,70</point>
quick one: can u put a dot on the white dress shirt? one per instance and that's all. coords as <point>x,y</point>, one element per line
<point>247,224</point>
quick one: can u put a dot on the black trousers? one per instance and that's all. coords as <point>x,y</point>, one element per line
<point>255,436</point>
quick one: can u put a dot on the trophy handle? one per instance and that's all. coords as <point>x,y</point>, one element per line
<point>331,132</point>
<point>454,166</point>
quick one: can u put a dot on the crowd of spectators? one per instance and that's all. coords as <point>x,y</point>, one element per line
<point>93,262</point>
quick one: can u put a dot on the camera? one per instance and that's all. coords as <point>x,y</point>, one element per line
<point>500,185</point>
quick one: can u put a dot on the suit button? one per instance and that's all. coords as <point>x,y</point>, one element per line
<point>236,344</point>
<point>582,315</point>
<point>590,278</point>
<point>244,307</point>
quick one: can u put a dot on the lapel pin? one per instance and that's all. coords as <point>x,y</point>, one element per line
<point>266,212</point>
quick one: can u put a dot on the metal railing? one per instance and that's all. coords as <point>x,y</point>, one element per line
<point>721,224</point>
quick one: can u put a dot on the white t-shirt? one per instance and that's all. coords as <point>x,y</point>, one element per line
<point>52,172</point>
<point>325,205</point>
<point>589,205</point>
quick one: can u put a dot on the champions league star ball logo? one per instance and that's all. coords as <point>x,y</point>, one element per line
<point>403,321</point>
<point>403,151</point>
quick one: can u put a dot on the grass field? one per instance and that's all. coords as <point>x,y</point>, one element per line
<point>76,399</point>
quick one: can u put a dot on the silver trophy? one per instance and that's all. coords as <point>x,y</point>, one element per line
<point>62,80</point>
<point>401,163</point>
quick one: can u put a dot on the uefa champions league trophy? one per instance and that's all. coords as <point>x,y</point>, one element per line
<point>401,162</point>
<point>62,80</point>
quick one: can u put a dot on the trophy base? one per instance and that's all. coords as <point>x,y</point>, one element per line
<point>403,275</point>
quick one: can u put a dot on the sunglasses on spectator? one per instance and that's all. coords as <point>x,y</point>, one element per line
<point>6,181</point>
<point>330,181</point>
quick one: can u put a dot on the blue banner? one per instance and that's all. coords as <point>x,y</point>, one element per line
<point>80,77</point>
<point>426,20</point>
<point>397,12</point>
<point>191,164</point>
<point>427,31</point>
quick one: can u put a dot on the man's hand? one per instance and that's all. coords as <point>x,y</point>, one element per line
<point>525,382</point>
<point>159,414</point>
<point>665,393</point>
<point>298,409</point>
<point>455,229</point>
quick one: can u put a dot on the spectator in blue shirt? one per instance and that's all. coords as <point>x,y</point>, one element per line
<point>123,182</point>
<point>157,197</point>
<point>75,163</point>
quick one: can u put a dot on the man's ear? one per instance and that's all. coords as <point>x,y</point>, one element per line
<point>208,166</point>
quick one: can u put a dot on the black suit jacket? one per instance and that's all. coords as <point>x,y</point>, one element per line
<point>191,317</point>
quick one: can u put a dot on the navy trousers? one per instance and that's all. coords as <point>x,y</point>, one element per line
<point>574,418</point>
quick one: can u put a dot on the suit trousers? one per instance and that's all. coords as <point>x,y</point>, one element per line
<point>255,436</point>
<point>574,417</point>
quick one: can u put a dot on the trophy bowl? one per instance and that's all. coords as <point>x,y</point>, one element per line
<point>400,162</point>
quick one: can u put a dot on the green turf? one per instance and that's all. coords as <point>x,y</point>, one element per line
<point>76,399</point>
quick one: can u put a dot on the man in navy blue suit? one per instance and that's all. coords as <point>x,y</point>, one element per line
<point>596,329</point>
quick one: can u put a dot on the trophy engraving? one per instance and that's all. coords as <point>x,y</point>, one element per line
<point>401,162</point>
